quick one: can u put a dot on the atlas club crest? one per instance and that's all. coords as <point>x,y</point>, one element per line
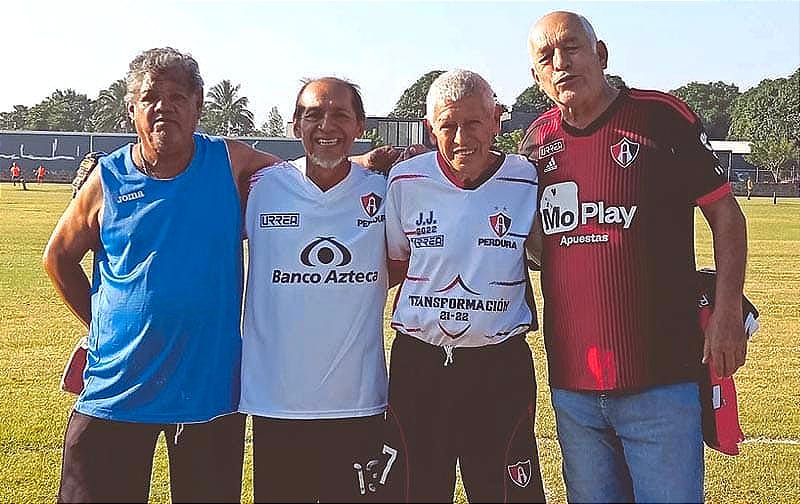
<point>500,224</point>
<point>371,203</point>
<point>624,152</point>
<point>520,473</point>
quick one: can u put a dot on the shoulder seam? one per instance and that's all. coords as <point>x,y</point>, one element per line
<point>673,101</point>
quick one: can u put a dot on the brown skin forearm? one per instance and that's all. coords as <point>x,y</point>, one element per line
<point>245,161</point>
<point>71,283</point>
<point>76,232</point>
<point>726,343</point>
<point>730,255</point>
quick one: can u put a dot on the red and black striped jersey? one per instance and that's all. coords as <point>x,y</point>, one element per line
<point>616,203</point>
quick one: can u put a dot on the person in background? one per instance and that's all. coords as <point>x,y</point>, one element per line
<point>40,172</point>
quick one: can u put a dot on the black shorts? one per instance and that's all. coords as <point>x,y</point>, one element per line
<point>331,460</point>
<point>478,410</point>
<point>109,461</point>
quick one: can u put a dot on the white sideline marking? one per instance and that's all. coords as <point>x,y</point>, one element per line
<point>761,440</point>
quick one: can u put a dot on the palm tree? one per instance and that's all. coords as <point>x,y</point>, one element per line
<point>226,113</point>
<point>111,111</point>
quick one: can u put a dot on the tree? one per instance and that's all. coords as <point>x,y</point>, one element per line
<point>616,81</point>
<point>274,127</point>
<point>17,119</point>
<point>64,110</point>
<point>412,102</point>
<point>712,102</point>
<point>111,111</point>
<point>769,111</point>
<point>374,137</point>
<point>509,142</point>
<point>226,112</point>
<point>534,101</point>
<point>774,155</point>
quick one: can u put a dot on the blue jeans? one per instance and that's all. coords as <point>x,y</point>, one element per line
<point>644,447</point>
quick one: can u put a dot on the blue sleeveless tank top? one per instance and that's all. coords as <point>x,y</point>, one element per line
<point>165,342</point>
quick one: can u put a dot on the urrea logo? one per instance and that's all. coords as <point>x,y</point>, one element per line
<point>323,251</point>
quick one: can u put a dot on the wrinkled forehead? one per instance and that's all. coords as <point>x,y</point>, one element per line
<point>471,107</point>
<point>166,77</point>
<point>552,31</point>
<point>327,94</point>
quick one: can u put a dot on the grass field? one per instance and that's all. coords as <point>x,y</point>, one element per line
<point>37,333</point>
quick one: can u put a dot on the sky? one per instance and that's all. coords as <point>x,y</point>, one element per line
<point>268,47</point>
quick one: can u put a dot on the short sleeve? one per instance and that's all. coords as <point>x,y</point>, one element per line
<point>397,245</point>
<point>700,169</point>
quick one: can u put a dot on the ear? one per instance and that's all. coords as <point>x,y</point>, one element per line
<point>296,128</point>
<point>535,77</point>
<point>199,102</point>
<point>429,128</point>
<point>498,114</point>
<point>130,112</point>
<point>360,130</point>
<point>602,53</point>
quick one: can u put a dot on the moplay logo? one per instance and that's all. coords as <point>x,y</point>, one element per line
<point>561,211</point>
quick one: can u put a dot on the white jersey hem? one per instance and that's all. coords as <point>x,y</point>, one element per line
<point>313,415</point>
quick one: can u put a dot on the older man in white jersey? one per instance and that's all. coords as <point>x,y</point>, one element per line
<point>313,368</point>
<point>462,384</point>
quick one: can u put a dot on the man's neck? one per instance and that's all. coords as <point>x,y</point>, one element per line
<point>471,179</point>
<point>586,114</point>
<point>325,178</point>
<point>164,164</point>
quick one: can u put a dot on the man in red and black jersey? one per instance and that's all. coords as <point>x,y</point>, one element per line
<point>620,172</point>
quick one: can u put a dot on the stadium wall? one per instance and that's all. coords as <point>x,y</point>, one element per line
<point>61,152</point>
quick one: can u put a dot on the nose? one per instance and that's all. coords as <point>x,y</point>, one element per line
<point>459,135</point>
<point>325,121</point>
<point>561,59</point>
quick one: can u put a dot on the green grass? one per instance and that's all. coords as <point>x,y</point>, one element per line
<point>37,333</point>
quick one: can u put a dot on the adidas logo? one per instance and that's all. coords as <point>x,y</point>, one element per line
<point>551,165</point>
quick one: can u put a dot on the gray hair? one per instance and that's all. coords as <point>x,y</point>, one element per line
<point>454,85</point>
<point>159,60</point>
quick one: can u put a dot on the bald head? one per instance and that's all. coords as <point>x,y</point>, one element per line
<point>568,63</point>
<point>540,33</point>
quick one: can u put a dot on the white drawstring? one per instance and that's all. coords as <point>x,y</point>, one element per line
<point>448,354</point>
<point>178,431</point>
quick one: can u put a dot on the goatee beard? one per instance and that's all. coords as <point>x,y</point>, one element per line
<point>328,164</point>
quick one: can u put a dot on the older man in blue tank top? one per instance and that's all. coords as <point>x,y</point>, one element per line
<point>163,217</point>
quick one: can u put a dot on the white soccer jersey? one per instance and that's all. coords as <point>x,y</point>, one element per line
<point>316,289</point>
<point>467,277</point>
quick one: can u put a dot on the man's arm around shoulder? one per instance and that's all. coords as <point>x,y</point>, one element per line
<point>245,161</point>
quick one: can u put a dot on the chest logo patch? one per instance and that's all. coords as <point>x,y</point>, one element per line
<point>625,152</point>
<point>551,165</point>
<point>500,224</point>
<point>551,148</point>
<point>371,203</point>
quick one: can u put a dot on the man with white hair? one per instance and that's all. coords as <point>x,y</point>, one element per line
<point>621,172</point>
<point>461,379</point>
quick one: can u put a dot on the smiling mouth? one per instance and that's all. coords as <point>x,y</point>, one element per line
<point>327,142</point>
<point>464,152</point>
